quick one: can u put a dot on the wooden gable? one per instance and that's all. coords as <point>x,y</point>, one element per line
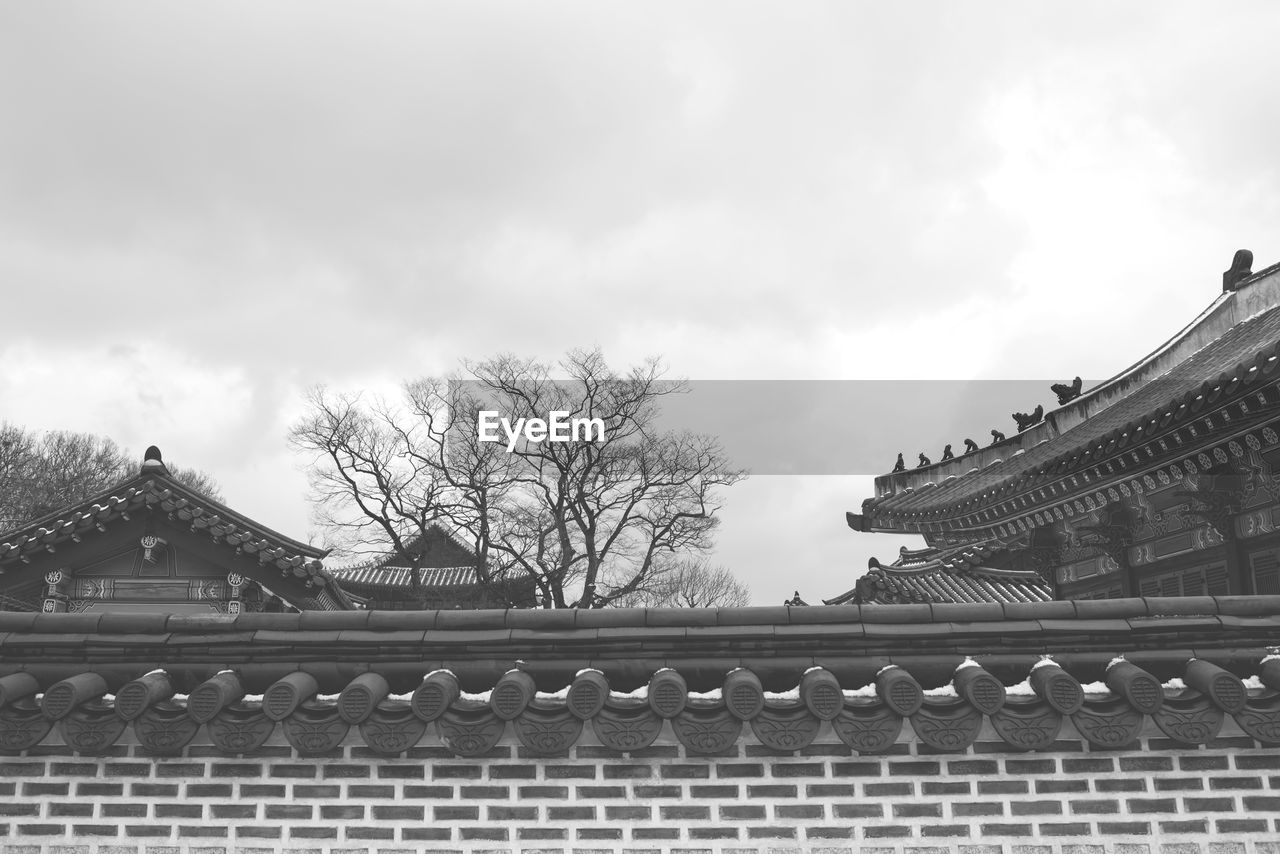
<point>150,544</point>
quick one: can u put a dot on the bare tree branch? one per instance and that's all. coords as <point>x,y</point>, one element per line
<point>689,584</point>
<point>41,473</point>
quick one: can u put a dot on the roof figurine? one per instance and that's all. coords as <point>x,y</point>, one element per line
<point>997,437</point>
<point>795,601</point>
<point>1066,393</point>
<point>970,446</point>
<point>946,453</point>
<point>1026,420</point>
<point>1241,268</point>
<point>900,465</point>
<point>924,461</point>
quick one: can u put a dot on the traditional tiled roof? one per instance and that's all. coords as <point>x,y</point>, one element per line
<point>402,577</point>
<point>934,584</point>
<point>944,575</point>
<point>154,488</point>
<point>1215,379</point>
<point>388,569</point>
<point>786,673</point>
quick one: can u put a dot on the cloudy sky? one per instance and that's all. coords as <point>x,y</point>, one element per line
<point>207,208</point>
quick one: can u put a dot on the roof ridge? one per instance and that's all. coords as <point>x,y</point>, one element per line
<point>924,569</point>
<point>1228,311</point>
<point>154,484</point>
<point>1004,574</point>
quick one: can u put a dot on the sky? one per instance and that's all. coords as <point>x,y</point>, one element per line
<point>206,209</point>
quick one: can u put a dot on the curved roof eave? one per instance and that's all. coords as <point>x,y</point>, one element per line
<point>1254,297</point>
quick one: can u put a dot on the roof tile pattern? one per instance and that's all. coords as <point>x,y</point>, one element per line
<point>953,575</point>
<point>996,668</point>
<point>402,577</point>
<point>629,644</point>
<point>889,586</point>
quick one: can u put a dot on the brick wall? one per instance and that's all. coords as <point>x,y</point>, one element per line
<point>1156,797</point>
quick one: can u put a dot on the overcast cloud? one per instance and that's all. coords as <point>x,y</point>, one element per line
<point>207,208</point>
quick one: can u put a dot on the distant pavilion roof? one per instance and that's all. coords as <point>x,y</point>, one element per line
<point>389,571</point>
<point>954,575</point>
<point>1219,372</point>
<point>379,575</point>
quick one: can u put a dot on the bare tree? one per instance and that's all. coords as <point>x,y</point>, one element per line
<point>17,475</point>
<point>374,481</point>
<point>41,473</point>
<point>197,481</point>
<point>690,583</point>
<point>587,520</point>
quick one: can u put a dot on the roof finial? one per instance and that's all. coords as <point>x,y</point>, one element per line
<point>152,461</point>
<point>1241,268</point>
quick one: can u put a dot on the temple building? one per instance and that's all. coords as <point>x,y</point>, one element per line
<point>1162,481</point>
<point>151,544</point>
<point>447,578</point>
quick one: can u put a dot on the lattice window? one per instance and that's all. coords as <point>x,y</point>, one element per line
<point>1215,580</point>
<point>1208,580</point>
<point>1266,572</point>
